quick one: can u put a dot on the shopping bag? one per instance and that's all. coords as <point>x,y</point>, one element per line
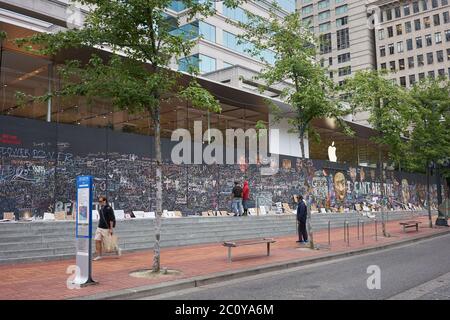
<point>110,243</point>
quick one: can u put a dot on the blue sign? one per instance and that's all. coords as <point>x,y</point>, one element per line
<point>84,207</point>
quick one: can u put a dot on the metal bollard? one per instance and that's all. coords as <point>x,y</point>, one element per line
<point>376,230</point>
<point>329,232</point>
<point>348,234</point>
<point>345,231</point>
<point>362,227</point>
<point>358,228</point>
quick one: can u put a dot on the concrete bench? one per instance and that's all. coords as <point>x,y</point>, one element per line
<point>410,224</point>
<point>239,243</point>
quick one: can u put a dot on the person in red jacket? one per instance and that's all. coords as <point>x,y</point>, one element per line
<point>245,197</point>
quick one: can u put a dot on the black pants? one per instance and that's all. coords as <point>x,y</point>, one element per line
<point>302,234</point>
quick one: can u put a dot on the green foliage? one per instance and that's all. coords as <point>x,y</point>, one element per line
<point>387,103</point>
<point>429,139</point>
<point>312,94</point>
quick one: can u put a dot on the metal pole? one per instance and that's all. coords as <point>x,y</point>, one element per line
<point>358,228</point>
<point>345,233</point>
<point>348,236</point>
<point>362,227</point>
<point>376,231</point>
<point>329,227</point>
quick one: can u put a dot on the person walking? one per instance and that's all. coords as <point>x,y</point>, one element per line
<point>301,218</point>
<point>237,199</point>
<point>245,197</point>
<point>106,224</point>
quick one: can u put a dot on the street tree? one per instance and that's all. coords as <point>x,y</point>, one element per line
<point>371,91</point>
<point>139,34</point>
<point>288,50</point>
<point>429,139</point>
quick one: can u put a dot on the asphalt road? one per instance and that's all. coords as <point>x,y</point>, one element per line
<point>417,271</point>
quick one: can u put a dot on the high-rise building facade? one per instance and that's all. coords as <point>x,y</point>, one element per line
<point>413,39</point>
<point>345,34</point>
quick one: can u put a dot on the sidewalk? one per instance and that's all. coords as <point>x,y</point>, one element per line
<point>47,280</point>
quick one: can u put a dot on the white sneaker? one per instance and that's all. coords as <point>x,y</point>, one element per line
<point>97,258</point>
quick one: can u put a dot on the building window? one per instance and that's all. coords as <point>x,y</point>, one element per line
<point>344,57</point>
<point>434,3</point>
<point>438,37</point>
<point>428,40</point>
<point>389,14</point>
<point>341,22</point>
<point>417,24</point>
<point>391,48</point>
<point>330,61</point>
<point>409,44</point>
<point>401,64</point>
<point>412,79</point>
<point>447,35</point>
<point>408,27</point>
<point>308,21</point>
<point>425,5</point>
<point>324,27</point>
<point>397,12</point>
<point>431,74</point>
<point>207,64</point>
<point>307,10</point>
<point>446,17</point>
<point>441,72</point>
<point>382,51</point>
<point>235,14</point>
<point>390,32</point>
<point>383,66</point>
<point>207,31</point>
<point>341,9</point>
<point>448,54</point>
<point>426,22</point>
<point>324,15</point>
<point>420,62</point>
<point>345,71</point>
<point>440,56</point>
<point>403,81</point>
<point>436,20</point>
<point>410,62</point>
<point>399,29</point>
<point>430,58</point>
<point>406,11</point>
<point>325,43</point>
<point>343,40</point>
<point>323,4</point>
<point>381,34</point>
<point>418,42</point>
<point>444,2</point>
<point>415,6</point>
<point>400,46</point>
<point>331,74</point>
<point>392,65</point>
<point>421,76</point>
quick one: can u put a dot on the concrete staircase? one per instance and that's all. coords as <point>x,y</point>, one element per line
<point>41,241</point>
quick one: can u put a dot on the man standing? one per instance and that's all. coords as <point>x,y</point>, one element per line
<point>106,224</point>
<point>301,218</point>
<point>237,199</point>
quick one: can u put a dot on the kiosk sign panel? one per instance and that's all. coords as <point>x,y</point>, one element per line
<point>84,230</point>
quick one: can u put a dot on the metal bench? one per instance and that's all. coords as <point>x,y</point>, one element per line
<point>234,244</point>
<point>410,224</point>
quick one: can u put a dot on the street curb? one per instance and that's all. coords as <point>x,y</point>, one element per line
<point>156,289</point>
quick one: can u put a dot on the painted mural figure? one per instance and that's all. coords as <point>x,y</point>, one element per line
<point>405,193</point>
<point>340,186</point>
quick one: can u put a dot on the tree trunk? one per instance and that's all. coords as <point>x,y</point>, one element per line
<point>428,195</point>
<point>156,249</point>
<point>308,212</point>
<point>383,207</point>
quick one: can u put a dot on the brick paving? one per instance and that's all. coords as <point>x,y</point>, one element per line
<point>47,280</point>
